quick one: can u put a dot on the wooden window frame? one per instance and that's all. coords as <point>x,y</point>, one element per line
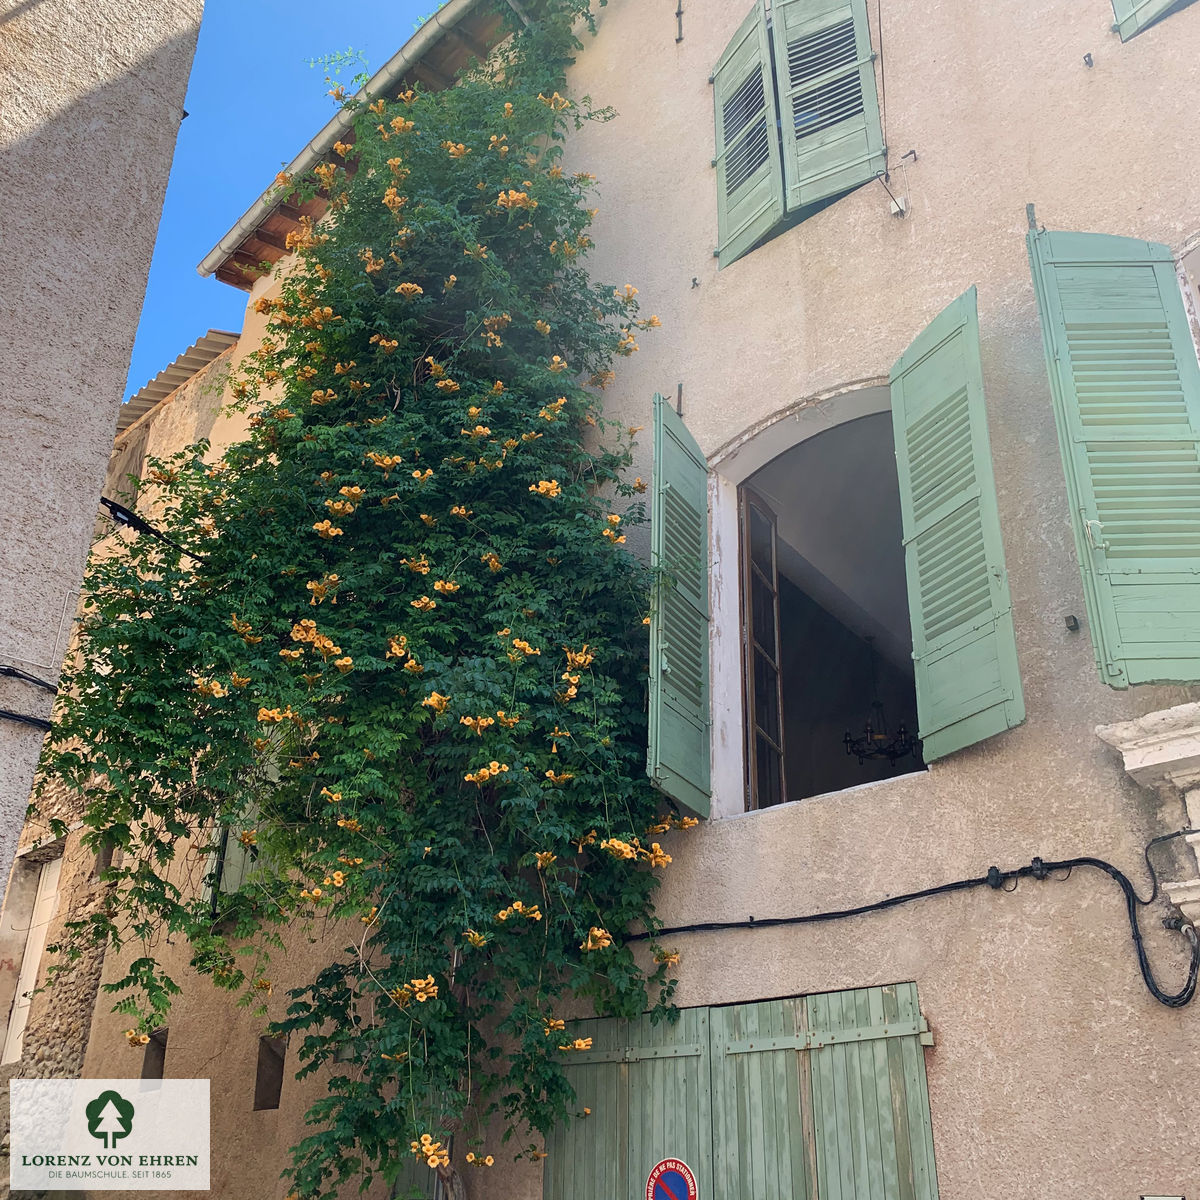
<point>752,649</point>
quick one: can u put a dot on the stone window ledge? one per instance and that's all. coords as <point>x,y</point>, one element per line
<point>1161,751</point>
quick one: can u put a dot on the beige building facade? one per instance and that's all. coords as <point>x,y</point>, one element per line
<point>1053,1071</point>
<point>91,97</point>
<point>1048,1067</point>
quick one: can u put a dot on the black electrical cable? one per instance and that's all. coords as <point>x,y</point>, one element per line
<point>996,879</point>
<point>17,673</point>
<point>23,719</point>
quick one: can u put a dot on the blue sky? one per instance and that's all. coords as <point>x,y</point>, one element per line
<point>253,102</point>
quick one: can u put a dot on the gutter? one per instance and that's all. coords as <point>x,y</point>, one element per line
<point>379,84</point>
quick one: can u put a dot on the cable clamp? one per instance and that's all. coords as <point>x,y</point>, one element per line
<point>1038,870</point>
<point>994,878</point>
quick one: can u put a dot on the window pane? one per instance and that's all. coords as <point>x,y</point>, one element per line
<point>769,790</point>
<point>762,613</point>
<point>760,541</point>
<point>766,697</point>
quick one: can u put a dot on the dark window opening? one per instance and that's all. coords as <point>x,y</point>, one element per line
<point>154,1057</point>
<point>268,1081</point>
<point>108,857</point>
<point>827,646</point>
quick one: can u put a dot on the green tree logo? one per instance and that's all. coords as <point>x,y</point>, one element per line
<point>109,1117</point>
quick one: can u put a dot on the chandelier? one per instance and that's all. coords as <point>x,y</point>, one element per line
<point>875,741</point>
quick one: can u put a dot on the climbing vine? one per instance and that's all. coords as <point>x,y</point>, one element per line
<point>393,654</point>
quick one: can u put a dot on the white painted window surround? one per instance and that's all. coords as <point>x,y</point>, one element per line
<point>44,905</point>
<point>1161,751</point>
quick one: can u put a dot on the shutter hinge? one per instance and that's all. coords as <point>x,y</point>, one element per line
<point>712,79</point>
<point>712,162</point>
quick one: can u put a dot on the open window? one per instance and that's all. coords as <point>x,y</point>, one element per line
<point>234,858</point>
<point>827,654</point>
<point>874,590</point>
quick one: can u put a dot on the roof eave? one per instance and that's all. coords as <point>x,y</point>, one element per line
<point>404,61</point>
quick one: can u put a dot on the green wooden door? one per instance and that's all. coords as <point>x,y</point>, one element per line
<point>1126,391</point>
<point>807,1098</point>
<point>964,648</point>
<point>648,1088</point>
<point>761,1102</point>
<point>874,1136</point>
<point>678,751</point>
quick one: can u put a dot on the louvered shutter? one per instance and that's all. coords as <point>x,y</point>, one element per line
<point>964,649</point>
<point>1126,392</point>
<point>678,758</point>
<point>828,104</point>
<point>761,1095</point>
<point>236,863</point>
<point>870,1100</point>
<point>648,1088</point>
<point>415,1181</point>
<point>749,178</point>
<point>1132,16</point>
<point>232,861</point>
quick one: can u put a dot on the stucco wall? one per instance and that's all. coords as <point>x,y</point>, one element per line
<point>1054,1073</point>
<point>91,96</point>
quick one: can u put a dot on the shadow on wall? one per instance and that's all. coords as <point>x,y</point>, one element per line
<point>84,176</point>
<point>19,11</point>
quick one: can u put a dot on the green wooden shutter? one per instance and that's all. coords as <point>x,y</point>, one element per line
<point>648,1087</point>
<point>237,862</point>
<point>1126,392</point>
<point>231,862</point>
<point>828,104</point>
<point>414,1181</point>
<point>874,1136</point>
<point>749,177</point>
<point>678,759</point>
<point>1132,16</point>
<point>964,650</point>
<point>761,1102</point>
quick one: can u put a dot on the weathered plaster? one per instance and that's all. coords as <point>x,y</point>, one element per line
<point>91,96</point>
